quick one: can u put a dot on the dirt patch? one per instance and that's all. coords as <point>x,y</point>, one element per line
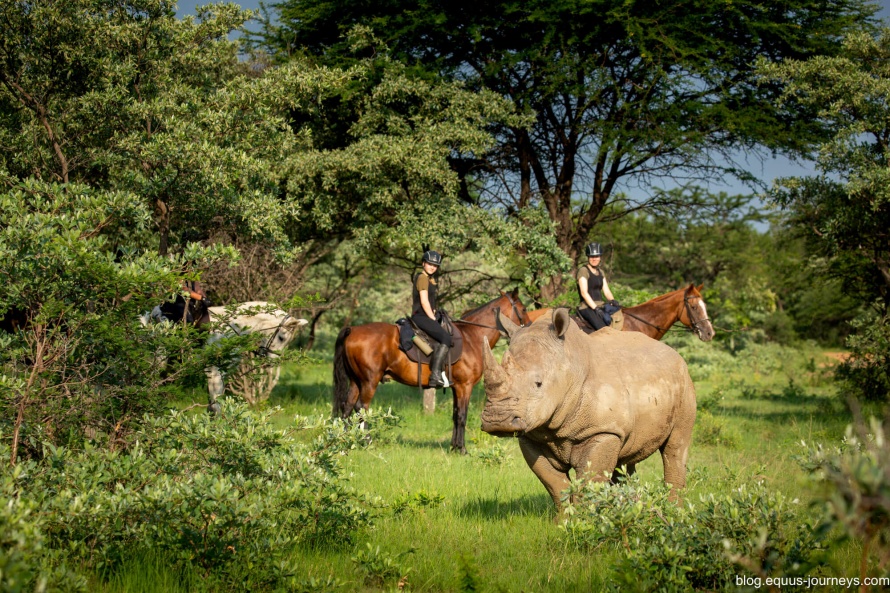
<point>836,358</point>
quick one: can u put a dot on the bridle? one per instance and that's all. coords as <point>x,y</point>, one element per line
<point>693,322</point>
<point>263,350</point>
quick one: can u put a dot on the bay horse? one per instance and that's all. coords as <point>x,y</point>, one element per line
<point>656,316</point>
<point>366,354</point>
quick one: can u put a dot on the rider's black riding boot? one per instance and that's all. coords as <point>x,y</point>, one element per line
<point>436,360</point>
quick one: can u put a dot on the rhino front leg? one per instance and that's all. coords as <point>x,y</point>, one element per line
<point>552,474</point>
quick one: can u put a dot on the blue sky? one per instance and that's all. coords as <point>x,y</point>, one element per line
<point>767,170</point>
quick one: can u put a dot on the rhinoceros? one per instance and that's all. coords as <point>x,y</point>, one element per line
<point>589,403</point>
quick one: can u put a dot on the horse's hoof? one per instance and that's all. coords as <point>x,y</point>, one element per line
<point>214,409</point>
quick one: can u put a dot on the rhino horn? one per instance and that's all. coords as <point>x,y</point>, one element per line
<point>505,325</point>
<point>493,373</point>
<point>561,321</point>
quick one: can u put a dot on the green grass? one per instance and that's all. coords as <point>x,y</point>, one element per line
<point>492,524</point>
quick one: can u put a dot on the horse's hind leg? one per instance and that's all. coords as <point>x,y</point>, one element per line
<point>215,388</point>
<point>350,405</point>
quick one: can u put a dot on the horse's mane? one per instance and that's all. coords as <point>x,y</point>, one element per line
<point>661,297</point>
<point>479,308</point>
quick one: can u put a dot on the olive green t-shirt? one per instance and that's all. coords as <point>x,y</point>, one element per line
<point>594,285</point>
<point>423,282</point>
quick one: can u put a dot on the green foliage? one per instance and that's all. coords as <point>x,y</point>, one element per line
<point>231,495</point>
<point>592,77</point>
<point>379,568</point>
<point>468,575</point>
<point>414,501</point>
<point>701,546</point>
<point>857,499</point>
<point>80,366</point>
<point>844,213</point>
<point>714,430</point>
<point>494,454</point>
<point>866,372</point>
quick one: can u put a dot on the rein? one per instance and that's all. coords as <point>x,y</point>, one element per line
<point>515,311</point>
<point>693,322</point>
<point>264,349</point>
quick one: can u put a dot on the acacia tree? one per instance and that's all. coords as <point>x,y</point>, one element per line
<point>844,212</point>
<point>624,96</point>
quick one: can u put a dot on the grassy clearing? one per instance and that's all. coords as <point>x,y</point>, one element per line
<point>483,521</point>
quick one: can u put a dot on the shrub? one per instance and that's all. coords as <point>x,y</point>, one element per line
<point>379,568</point>
<point>663,546</point>
<point>866,373</point>
<point>713,430</point>
<point>228,494</point>
<point>857,474</point>
<point>78,365</point>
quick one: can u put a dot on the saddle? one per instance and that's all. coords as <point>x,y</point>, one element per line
<point>408,330</point>
<point>617,317</point>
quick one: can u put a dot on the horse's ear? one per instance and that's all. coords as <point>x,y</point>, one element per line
<point>700,286</point>
<point>296,322</point>
<point>515,294</point>
<point>561,321</point>
<point>505,325</point>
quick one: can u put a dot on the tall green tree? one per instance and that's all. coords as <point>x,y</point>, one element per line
<point>623,95</point>
<point>844,212</point>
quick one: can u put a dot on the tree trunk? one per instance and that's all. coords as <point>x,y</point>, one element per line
<point>163,226</point>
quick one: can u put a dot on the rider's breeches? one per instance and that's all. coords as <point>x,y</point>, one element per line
<point>436,331</point>
<point>592,317</point>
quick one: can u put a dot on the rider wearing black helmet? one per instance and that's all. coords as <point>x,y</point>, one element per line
<point>423,314</point>
<point>592,287</point>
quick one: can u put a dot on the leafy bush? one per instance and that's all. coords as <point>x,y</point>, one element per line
<point>75,363</point>
<point>414,501</point>
<point>713,430</point>
<point>229,494</point>
<point>663,546</point>
<point>379,568</point>
<point>866,373</point>
<point>857,473</point>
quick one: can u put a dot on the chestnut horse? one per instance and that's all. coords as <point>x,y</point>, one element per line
<point>655,317</point>
<point>364,355</point>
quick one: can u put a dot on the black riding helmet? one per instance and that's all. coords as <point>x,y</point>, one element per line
<point>593,250</point>
<point>432,257</point>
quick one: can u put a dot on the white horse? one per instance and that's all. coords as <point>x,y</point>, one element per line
<point>277,327</point>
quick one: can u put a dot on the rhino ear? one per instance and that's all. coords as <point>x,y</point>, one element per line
<point>505,325</point>
<point>561,321</point>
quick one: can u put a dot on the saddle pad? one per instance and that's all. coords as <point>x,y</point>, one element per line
<point>415,355</point>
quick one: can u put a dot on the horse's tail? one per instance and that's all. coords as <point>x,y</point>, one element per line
<point>342,378</point>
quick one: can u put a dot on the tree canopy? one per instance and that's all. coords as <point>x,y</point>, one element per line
<point>632,96</point>
<point>844,212</point>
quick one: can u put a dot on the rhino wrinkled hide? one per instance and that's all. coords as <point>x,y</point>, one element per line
<point>589,403</point>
